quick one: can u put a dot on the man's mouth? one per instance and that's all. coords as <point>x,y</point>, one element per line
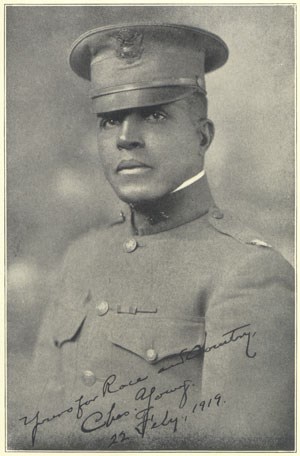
<point>130,167</point>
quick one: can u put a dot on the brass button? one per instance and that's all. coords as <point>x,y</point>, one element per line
<point>102,308</point>
<point>217,214</point>
<point>151,355</point>
<point>130,245</point>
<point>88,378</point>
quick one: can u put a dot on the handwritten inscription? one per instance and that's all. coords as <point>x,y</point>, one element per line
<point>88,425</point>
<point>145,415</point>
<point>78,409</point>
<point>109,383</point>
<point>232,336</point>
<point>235,335</point>
<point>208,403</point>
<point>37,423</point>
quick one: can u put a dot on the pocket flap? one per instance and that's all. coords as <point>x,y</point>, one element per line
<point>68,323</point>
<point>156,338</point>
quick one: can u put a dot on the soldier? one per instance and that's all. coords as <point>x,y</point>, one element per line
<point>173,327</point>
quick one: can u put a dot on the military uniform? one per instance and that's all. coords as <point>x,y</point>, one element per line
<point>172,327</point>
<point>148,301</point>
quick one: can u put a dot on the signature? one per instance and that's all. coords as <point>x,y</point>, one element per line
<point>94,421</point>
<point>97,417</point>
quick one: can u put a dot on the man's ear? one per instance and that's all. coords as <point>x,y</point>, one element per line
<point>206,131</point>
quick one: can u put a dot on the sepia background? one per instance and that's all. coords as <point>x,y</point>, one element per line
<point>55,187</point>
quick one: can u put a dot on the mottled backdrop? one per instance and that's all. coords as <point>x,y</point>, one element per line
<point>55,188</point>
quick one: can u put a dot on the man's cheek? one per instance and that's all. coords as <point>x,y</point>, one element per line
<point>106,157</point>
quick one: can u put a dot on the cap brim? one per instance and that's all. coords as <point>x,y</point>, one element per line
<point>139,98</point>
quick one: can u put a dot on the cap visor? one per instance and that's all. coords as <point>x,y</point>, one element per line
<point>139,98</point>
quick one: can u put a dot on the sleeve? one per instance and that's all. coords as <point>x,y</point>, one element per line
<point>51,371</point>
<point>41,381</point>
<point>249,353</point>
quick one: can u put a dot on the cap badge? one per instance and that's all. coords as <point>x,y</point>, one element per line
<point>129,45</point>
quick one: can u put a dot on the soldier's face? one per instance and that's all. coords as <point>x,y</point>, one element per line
<point>148,152</point>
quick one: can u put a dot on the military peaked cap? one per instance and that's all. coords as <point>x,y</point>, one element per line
<point>147,64</point>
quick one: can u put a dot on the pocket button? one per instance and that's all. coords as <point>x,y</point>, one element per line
<point>151,355</point>
<point>88,378</point>
<point>130,245</point>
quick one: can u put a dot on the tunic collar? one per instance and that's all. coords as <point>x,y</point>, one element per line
<point>190,181</point>
<point>172,210</point>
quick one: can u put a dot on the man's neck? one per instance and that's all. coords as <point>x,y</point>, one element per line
<point>172,210</point>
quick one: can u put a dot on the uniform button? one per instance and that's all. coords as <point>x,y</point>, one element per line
<point>130,245</point>
<point>151,355</point>
<point>217,214</point>
<point>88,378</point>
<point>102,308</point>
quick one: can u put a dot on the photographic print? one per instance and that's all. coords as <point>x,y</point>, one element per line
<point>150,227</point>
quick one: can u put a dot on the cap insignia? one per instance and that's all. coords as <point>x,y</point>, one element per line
<point>129,45</point>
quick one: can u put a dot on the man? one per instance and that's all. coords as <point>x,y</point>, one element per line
<point>173,327</point>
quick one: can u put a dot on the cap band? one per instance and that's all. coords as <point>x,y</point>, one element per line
<point>186,82</point>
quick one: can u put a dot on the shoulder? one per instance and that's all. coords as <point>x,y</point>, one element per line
<point>244,253</point>
<point>224,222</point>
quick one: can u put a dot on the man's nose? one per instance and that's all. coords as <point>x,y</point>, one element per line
<point>131,136</point>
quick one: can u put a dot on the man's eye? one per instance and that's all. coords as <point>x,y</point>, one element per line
<point>155,116</point>
<point>109,123</point>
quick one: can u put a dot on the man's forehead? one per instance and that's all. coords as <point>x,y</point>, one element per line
<point>143,109</point>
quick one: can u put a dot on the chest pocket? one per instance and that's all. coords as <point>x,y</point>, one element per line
<point>155,339</point>
<point>67,328</point>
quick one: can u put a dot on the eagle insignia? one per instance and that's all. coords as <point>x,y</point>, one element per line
<point>129,45</point>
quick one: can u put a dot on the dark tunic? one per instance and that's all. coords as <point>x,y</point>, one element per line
<point>172,329</point>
